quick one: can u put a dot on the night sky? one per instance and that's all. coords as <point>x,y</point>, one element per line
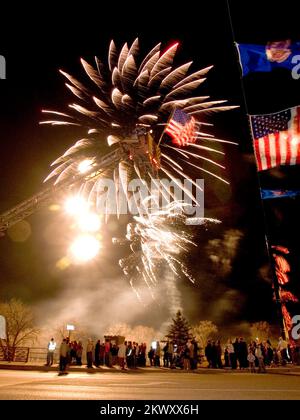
<point>40,40</point>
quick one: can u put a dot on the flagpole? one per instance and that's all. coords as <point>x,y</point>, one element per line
<point>170,117</point>
<point>275,280</point>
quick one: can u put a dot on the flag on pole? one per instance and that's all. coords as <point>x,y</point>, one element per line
<point>277,138</point>
<point>282,267</point>
<point>182,128</point>
<point>265,58</point>
<point>269,194</point>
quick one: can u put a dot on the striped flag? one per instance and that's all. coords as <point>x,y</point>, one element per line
<point>182,128</point>
<point>277,138</point>
<point>282,267</point>
<point>287,318</point>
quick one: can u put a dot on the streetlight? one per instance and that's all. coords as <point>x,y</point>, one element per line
<point>70,328</point>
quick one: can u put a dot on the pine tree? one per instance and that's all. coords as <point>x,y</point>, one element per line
<point>180,331</point>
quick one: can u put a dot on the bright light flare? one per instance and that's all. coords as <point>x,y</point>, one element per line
<point>76,205</point>
<point>85,166</point>
<point>89,222</point>
<point>85,248</point>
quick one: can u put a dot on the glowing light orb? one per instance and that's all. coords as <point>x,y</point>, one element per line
<point>54,207</point>
<point>89,222</point>
<point>20,232</point>
<point>85,248</point>
<point>76,205</point>
<point>85,166</point>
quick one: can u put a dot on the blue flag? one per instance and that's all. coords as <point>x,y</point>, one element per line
<point>268,194</point>
<point>265,58</point>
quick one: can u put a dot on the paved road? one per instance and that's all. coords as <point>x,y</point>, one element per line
<point>151,386</point>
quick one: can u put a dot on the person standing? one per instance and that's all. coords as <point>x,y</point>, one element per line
<point>260,357</point>
<point>170,353</point>
<point>142,354</point>
<point>89,353</point>
<point>79,353</point>
<point>282,348</point>
<point>243,353</point>
<point>165,354</point>
<point>232,355</point>
<point>107,355</point>
<point>219,355</point>
<point>208,353</point>
<point>97,353</point>
<point>122,355</point>
<point>157,355</point>
<point>50,353</point>
<point>186,357</point>
<point>214,355</point>
<point>251,361</point>
<point>226,357</point>
<point>63,357</point>
<point>194,355</point>
<point>151,354</point>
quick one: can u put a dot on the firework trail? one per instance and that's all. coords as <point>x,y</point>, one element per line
<point>157,241</point>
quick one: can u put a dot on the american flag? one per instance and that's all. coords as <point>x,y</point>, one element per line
<point>182,128</point>
<point>282,267</point>
<point>277,138</point>
<point>287,318</point>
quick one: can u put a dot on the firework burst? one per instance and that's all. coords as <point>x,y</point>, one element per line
<point>128,102</point>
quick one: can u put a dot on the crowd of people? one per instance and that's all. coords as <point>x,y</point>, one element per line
<point>237,354</point>
<point>254,356</point>
<point>109,353</point>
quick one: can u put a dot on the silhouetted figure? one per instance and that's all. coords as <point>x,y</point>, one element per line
<point>63,357</point>
<point>151,353</point>
<point>208,353</point>
<point>97,353</point>
<point>219,355</point>
<point>89,353</point>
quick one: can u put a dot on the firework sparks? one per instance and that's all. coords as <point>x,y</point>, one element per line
<point>159,239</point>
<point>131,106</point>
<point>130,102</point>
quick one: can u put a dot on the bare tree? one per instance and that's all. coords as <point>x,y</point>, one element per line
<point>119,329</point>
<point>20,328</point>
<point>139,333</point>
<point>260,330</point>
<point>204,331</point>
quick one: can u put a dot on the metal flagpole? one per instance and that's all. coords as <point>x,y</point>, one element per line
<point>169,119</point>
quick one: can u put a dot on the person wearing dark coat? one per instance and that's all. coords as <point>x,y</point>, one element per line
<point>243,354</point>
<point>237,352</point>
<point>214,355</point>
<point>194,358</point>
<point>208,353</point>
<point>151,354</point>
<point>219,355</point>
<point>97,354</point>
